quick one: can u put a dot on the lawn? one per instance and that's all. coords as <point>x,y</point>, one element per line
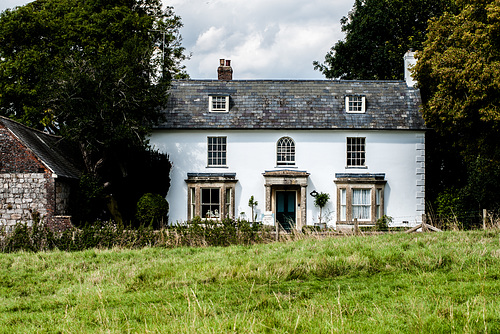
<point>399,283</point>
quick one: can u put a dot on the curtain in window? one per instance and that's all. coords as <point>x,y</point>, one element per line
<point>361,204</point>
<point>343,208</point>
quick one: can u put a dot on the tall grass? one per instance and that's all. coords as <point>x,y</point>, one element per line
<point>400,283</point>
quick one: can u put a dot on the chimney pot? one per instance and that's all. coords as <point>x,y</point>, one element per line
<point>225,72</point>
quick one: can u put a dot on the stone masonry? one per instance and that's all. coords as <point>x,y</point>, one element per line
<point>21,195</point>
<point>27,185</point>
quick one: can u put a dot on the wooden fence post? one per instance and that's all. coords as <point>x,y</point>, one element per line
<point>485,214</point>
<point>424,223</point>
<point>356,226</point>
<point>277,231</point>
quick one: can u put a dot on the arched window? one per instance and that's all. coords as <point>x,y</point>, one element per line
<point>285,152</point>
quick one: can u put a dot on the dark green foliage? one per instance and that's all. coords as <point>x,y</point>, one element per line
<point>457,72</point>
<point>321,199</point>
<point>378,33</point>
<point>95,72</point>
<point>106,235</point>
<point>449,203</point>
<point>199,232</point>
<point>88,200</point>
<point>143,171</point>
<point>252,203</point>
<point>34,238</point>
<point>382,224</point>
<point>152,209</point>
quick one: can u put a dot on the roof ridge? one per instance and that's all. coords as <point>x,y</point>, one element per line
<point>30,128</point>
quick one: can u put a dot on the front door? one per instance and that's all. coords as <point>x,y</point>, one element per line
<point>285,209</point>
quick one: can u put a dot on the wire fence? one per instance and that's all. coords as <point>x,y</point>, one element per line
<point>474,219</point>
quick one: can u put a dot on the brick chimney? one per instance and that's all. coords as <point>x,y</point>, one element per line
<point>225,72</point>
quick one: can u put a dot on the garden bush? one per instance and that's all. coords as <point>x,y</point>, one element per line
<point>152,209</point>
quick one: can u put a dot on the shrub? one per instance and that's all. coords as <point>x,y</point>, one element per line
<point>382,224</point>
<point>152,209</point>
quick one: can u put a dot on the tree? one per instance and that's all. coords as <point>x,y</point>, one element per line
<point>378,34</point>
<point>95,72</point>
<point>320,201</point>
<point>458,73</point>
<point>88,69</point>
<point>252,203</point>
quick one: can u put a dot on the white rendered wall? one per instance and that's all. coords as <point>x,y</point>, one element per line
<point>322,153</point>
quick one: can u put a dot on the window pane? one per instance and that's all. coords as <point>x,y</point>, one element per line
<point>343,205</point>
<point>228,203</point>
<point>361,203</point>
<point>219,103</point>
<point>355,151</point>
<point>355,104</point>
<point>193,203</point>
<point>210,202</point>
<point>285,151</point>
<point>216,151</point>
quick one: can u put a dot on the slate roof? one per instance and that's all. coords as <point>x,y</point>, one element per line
<point>293,104</point>
<point>45,146</point>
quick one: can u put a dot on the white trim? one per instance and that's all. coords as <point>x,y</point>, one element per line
<point>363,104</point>
<point>210,103</point>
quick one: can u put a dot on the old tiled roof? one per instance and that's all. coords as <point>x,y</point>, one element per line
<point>45,146</point>
<point>293,104</point>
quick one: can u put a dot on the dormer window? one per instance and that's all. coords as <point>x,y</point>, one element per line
<point>218,103</point>
<point>355,104</point>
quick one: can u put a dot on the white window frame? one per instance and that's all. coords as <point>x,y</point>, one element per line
<point>355,104</point>
<point>285,149</point>
<point>217,153</point>
<point>356,158</point>
<point>218,103</point>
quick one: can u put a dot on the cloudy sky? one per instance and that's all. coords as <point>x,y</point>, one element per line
<point>265,39</point>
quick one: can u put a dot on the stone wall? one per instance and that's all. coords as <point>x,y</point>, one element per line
<point>22,194</point>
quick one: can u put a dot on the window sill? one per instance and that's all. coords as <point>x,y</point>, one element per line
<point>286,166</point>
<point>356,167</point>
<point>360,222</point>
<point>217,167</point>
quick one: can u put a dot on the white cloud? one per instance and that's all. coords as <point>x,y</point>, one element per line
<point>264,39</point>
<point>210,39</point>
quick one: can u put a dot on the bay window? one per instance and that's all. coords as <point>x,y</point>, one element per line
<point>360,197</point>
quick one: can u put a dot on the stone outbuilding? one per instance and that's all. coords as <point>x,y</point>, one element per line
<point>36,176</point>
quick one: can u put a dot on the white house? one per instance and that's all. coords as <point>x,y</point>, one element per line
<point>283,141</point>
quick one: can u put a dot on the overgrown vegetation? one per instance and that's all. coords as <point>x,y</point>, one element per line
<point>106,235</point>
<point>393,283</point>
<point>95,72</point>
<point>152,209</point>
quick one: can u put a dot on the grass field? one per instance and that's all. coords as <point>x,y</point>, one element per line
<point>420,283</point>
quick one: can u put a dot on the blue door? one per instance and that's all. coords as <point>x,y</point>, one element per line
<point>285,209</point>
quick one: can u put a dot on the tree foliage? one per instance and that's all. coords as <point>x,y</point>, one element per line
<point>152,209</point>
<point>93,71</point>
<point>458,72</point>
<point>378,34</point>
